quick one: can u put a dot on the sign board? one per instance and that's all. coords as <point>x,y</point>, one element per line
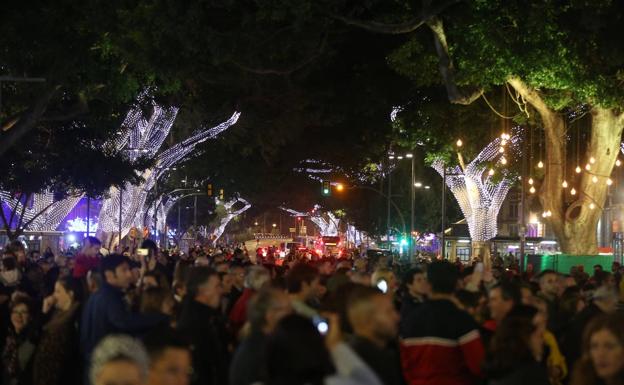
<point>292,229</point>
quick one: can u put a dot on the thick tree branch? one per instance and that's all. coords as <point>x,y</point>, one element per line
<point>28,120</point>
<point>285,71</point>
<point>533,97</point>
<point>400,28</point>
<point>447,70</point>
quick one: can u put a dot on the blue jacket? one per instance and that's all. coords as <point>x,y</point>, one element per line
<point>105,313</point>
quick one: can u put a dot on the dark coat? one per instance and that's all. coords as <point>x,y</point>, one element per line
<point>386,363</point>
<point>571,342</point>
<point>249,362</point>
<point>23,349</point>
<point>105,313</point>
<point>529,373</point>
<point>58,351</point>
<point>205,328</point>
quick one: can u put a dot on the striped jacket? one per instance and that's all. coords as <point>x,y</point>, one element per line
<point>441,345</point>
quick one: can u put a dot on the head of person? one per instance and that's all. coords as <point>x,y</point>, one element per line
<point>257,277</point>
<point>384,274</point>
<point>415,282</point>
<point>170,358</point>
<point>116,271</point>
<point>518,338</point>
<point>204,286</point>
<point>119,360</point>
<point>296,353</point>
<point>152,248</point>
<point>443,277</point>
<point>361,265</point>
<point>502,298</point>
<point>606,299</point>
<point>602,360</point>
<point>18,250</point>
<point>597,268</point>
<point>91,246</point>
<point>372,315</point>
<point>157,300</point>
<point>238,276</point>
<point>94,280</point>
<point>303,280</point>
<point>67,292</point>
<point>526,294</point>
<point>226,282</point>
<point>470,302</point>
<point>548,282</point>
<point>267,308</point>
<point>21,310</point>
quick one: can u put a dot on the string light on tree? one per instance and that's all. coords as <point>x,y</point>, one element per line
<point>578,169</point>
<point>588,167</point>
<point>594,179</point>
<point>573,191</point>
<point>491,172</point>
<point>609,181</point>
<point>530,181</point>
<point>540,164</point>
<point>532,190</point>
<point>459,143</point>
<point>618,163</point>
<point>592,160</point>
<point>592,206</point>
<point>564,184</point>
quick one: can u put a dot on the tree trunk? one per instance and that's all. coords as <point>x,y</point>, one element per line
<point>481,250</point>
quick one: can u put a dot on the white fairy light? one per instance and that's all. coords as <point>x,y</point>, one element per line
<point>594,179</point>
<point>532,190</point>
<point>327,223</point>
<point>501,149</point>
<point>609,181</point>
<point>491,172</point>
<point>587,167</point>
<point>618,163</point>
<point>592,206</point>
<point>578,169</point>
<point>564,184</point>
<point>230,214</point>
<point>480,198</point>
<point>530,181</point>
<point>573,191</point>
<point>592,160</point>
<point>540,164</point>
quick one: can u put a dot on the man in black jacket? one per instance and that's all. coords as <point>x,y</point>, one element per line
<point>201,322</point>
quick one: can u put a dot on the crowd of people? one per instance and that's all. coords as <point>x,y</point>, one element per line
<point>219,317</point>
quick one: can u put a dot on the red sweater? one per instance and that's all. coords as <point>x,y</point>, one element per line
<point>441,345</point>
<point>84,264</point>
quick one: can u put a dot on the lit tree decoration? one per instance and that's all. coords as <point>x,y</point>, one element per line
<point>231,214</point>
<point>142,136</point>
<point>479,196</point>
<point>41,212</point>
<point>327,226</point>
<point>80,225</point>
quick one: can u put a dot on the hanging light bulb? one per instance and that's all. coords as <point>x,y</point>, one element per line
<point>609,181</point>
<point>594,179</point>
<point>618,163</point>
<point>564,184</point>
<point>578,169</point>
<point>544,214</point>
<point>503,142</point>
<point>573,191</point>
<point>459,143</point>
<point>540,164</point>
<point>592,206</point>
<point>503,160</point>
<point>501,149</point>
<point>587,167</point>
<point>491,172</point>
<point>549,213</point>
<point>532,190</point>
<point>592,160</point>
<point>531,181</point>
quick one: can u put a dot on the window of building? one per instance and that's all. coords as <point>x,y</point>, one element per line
<point>513,211</point>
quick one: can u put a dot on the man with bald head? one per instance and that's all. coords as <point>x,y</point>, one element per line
<point>375,324</point>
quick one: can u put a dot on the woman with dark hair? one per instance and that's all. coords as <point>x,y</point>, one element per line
<point>19,344</point>
<point>57,354</point>
<point>602,362</point>
<point>516,351</point>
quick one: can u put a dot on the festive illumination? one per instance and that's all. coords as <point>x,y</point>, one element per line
<point>564,184</point>
<point>540,164</point>
<point>42,212</point>
<point>143,136</point>
<point>503,160</point>
<point>594,179</point>
<point>578,169</point>
<point>573,191</point>
<point>618,162</point>
<point>79,225</point>
<point>230,214</point>
<point>532,190</point>
<point>501,149</point>
<point>530,181</point>
<point>327,223</point>
<point>479,196</point>
<point>592,160</point>
<point>491,172</point>
<point>592,206</point>
<point>459,143</point>
<point>587,167</point>
<point>609,181</point>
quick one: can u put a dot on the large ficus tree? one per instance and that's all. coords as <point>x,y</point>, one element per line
<point>559,59</point>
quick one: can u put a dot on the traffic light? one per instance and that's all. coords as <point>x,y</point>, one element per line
<point>221,194</point>
<point>326,188</point>
<point>209,190</point>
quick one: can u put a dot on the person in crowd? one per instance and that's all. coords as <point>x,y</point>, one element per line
<point>604,301</point>
<point>201,322</point>
<point>106,312</point>
<point>88,258</point>
<point>472,303</point>
<point>517,349</point>
<point>602,360</point>
<point>375,323</point>
<point>549,291</point>
<point>441,344</point>
<point>302,282</point>
<point>265,310</point>
<point>555,361</point>
<point>94,281</point>
<point>57,352</point>
<point>157,300</point>
<point>415,293</point>
<point>170,358</point>
<point>20,343</point>
<point>119,360</point>
<point>502,298</point>
<point>237,272</point>
<point>256,278</point>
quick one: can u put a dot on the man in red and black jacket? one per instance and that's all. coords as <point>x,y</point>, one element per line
<point>441,344</point>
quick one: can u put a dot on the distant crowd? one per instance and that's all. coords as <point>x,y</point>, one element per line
<point>218,316</point>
